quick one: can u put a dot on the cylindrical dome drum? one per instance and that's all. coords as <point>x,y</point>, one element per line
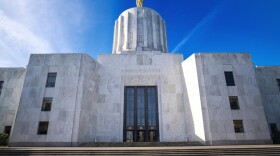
<point>139,29</point>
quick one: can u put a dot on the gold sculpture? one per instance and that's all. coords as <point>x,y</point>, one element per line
<point>139,3</point>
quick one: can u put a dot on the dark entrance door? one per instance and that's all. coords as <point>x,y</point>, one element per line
<point>141,114</point>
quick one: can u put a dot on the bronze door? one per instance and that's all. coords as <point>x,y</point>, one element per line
<point>141,114</point>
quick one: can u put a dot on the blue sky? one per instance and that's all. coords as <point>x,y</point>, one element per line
<point>86,26</point>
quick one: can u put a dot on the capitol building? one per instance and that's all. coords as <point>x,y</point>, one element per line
<point>140,94</point>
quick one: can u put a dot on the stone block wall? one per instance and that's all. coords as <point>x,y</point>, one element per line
<point>89,96</point>
<point>67,95</point>
<point>13,79</point>
<point>270,90</point>
<point>215,93</point>
<point>145,69</point>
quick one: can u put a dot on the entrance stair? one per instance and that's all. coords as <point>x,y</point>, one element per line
<point>243,150</point>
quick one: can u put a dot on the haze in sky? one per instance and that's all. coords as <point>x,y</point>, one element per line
<point>86,26</point>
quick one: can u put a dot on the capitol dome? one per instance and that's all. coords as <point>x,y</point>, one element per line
<point>139,29</point>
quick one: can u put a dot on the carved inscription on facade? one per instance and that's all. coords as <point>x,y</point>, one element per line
<point>127,71</point>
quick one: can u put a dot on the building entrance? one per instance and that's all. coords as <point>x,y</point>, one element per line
<point>141,114</point>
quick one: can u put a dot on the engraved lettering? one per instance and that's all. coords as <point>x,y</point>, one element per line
<point>140,70</point>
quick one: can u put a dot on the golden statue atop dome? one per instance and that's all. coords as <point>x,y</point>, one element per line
<point>139,3</point>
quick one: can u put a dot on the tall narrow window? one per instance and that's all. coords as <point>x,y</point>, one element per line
<point>152,114</point>
<point>278,82</point>
<point>141,120</point>
<point>51,80</point>
<point>47,104</point>
<point>1,86</point>
<point>234,104</point>
<point>273,128</point>
<point>229,79</point>
<point>238,126</point>
<point>141,114</point>
<point>43,128</point>
<point>130,113</point>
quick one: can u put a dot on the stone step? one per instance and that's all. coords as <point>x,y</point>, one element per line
<point>210,150</point>
<point>140,144</point>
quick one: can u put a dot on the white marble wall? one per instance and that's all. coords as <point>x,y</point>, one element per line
<point>270,91</point>
<point>89,96</point>
<point>67,95</point>
<point>9,99</point>
<point>88,99</point>
<point>138,69</point>
<point>214,93</point>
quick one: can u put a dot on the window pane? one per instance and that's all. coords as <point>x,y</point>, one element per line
<point>141,107</point>
<point>238,126</point>
<point>152,136</point>
<point>8,129</point>
<point>1,86</point>
<point>234,104</point>
<point>47,104</point>
<point>141,136</point>
<point>273,128</point>
<point>129,136</point>
<point>130,108</point>
<point>43,128</point>
<point>152,120</point>
<point>51,80</point>
<point>130,119</point>
<point>229,79</point>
